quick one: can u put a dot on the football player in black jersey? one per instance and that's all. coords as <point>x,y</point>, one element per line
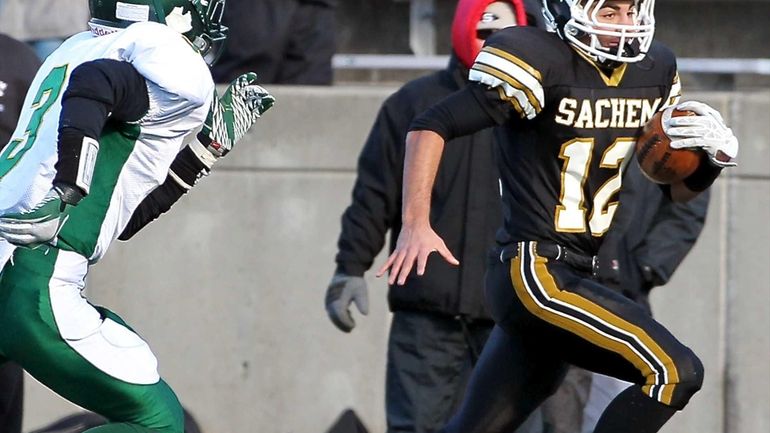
<point>570,102</point>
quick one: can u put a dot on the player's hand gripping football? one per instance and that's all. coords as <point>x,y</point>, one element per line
<point>706,130</point>
<point>343,291</point>
<point>232,114</point>
<point>37,226</point>
<point>415,244</point>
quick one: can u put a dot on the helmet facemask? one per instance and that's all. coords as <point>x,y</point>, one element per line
<point>210,38</point>
<point>582,29</point>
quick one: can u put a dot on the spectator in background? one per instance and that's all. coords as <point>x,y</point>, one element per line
<point>650,237</point>
<point>16,73</point>
<point>283,41</point>
<point>43,24</point>
<point>439,321</point>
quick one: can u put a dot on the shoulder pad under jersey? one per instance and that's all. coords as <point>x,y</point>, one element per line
<point>517,61</point>
<point>166,58</point>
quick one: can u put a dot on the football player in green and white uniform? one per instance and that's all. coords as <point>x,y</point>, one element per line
<point>118,124</point>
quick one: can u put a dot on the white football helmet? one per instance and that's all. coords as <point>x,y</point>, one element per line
<point>576,22</point>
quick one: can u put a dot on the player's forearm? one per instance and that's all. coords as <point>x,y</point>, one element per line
<point>680,193</point>
<point>423,153</point>
<point>699,181</point>
<point>186,169</point>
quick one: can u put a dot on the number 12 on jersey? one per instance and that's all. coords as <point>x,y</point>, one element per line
<point>571,212</point>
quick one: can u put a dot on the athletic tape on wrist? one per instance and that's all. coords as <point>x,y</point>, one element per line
<point>86,163</point>
<point>204,155</point>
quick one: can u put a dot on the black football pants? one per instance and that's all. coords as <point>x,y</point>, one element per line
<point>429,362</point>
<point>550,315</point>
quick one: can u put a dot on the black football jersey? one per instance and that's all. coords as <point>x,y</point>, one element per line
<point>569,131</point>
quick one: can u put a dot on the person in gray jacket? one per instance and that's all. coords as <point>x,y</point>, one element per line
<point>16,73</point>
<point>648,240</point>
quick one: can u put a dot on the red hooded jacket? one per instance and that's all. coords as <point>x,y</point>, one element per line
<point>467,15</point>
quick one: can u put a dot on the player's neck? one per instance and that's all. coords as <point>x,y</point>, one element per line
<point>612,72</point>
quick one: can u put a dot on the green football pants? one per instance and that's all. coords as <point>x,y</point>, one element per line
<point>86,354</point>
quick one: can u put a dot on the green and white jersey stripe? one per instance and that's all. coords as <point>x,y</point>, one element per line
<point>133,158</point>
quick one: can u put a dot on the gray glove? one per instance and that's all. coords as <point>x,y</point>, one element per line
<point>342,291</point>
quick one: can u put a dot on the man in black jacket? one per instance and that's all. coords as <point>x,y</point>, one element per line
<point>283,41</point>
<point>16,73</point>
<point>439,321</point>
<point>649,238</point>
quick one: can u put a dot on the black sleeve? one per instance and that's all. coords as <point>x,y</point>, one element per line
<point>376,204</point>
<point>671,236</point>
<point>461,113</point>
<point>185,171</point>
<point>704,175</point>
<point>97,90</point>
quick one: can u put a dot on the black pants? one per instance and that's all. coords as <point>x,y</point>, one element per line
<point>283,41</point>
<point>11,397</point>
<point>429,363</point>
<point>548,316</point>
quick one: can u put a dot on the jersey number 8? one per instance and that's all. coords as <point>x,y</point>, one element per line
<point>47,94</point>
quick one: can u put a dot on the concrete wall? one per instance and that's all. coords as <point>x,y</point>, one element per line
<point>228,289</point>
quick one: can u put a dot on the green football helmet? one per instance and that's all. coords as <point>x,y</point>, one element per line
<point>199,20</point>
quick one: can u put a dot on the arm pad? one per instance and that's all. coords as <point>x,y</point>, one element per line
<point>97,90</point>
<point>103,88</point>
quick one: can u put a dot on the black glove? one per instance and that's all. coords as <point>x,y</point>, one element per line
<point>342,291</point>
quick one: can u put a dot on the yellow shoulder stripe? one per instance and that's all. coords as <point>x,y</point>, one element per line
<point>513,82</point>
<point>517,61</point>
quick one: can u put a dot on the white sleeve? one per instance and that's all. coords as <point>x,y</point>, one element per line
<point>179,82</point>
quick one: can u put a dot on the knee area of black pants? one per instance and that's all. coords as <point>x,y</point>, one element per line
<point>691,375</point>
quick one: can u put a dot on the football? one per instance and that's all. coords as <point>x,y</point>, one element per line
<point>658,161</point>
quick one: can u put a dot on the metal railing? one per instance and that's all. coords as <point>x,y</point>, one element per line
<point>410,62</point>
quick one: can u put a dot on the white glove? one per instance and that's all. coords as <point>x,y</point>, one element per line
<point>35,227</point>
<point>706,130</point>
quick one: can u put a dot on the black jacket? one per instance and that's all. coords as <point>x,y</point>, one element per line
<point>283,41</point>
<point>17,70</point>
<point>649,237</point>
<point>465,208</point>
